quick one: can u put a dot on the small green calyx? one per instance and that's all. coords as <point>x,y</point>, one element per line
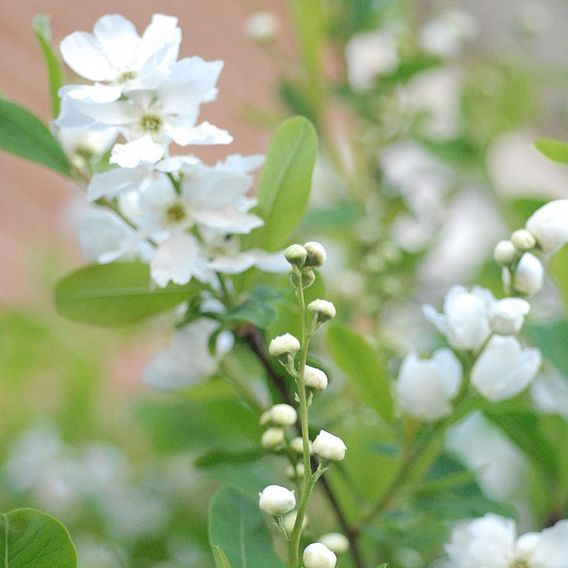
<point>176,213</point>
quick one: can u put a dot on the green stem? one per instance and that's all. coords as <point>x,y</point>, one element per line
<point>308,485</point>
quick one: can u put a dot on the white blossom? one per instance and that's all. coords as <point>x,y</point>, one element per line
<point>323,309</point>
<point>446,34</point>
<point>336,542</point>
<point>188,359</point>
<point>505,253</point>
<point>276,500</point>
<point>529,275</point>
<point>272,438</point>
<point>549,225</point>
<point>506,316</point>
<point>329,447</point>
<point>504,368</point>
<point>315,378</point>
<point>316,254</point>
<point>464,321</point>
<point>283,414</point>
<point>317,555</point>
<point>425,387</point>
<point>262,26</point>
<point>284,344</point>
<point>549,392</point>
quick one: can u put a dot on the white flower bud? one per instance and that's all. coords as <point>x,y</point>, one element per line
<point>317,555</point>
<point>290,521</point>
<point>283,345</point>
<point>336,542</point>
<point>265,418</point>
<point>297,445</point>
<point>262,26</point>
<point>523,240</point>
<point>323,309</point>
<point>505,253</point>
<point>529,275</point>
<point>272,438</point>
<point>296,255</point>
<point>315,378</point>
<point>549,225</point>
<point>283,415</point>
<point>295,472</point>
<point>329,447</point>
<point>506,316</point>
<point>276,500</point>
<point>316,254</point>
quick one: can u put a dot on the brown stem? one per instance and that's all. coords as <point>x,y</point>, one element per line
<point>254,339</point>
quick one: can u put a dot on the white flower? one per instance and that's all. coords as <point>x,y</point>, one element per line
<point>83,145</point>
<point>368,55</point>
<point>118,58</point>
<point>505,253</point>
<point>295,472</point>
<point>283,415</point>
<point>317,555</point>
<point>464,322</point>
<point>262,26</point>
<point>507,316</point>
<point>188,360</point>
<point>549,392</point>
<point>323,309</point>
<point>284,344</point>
<point>492,542</point>
<point>316,254</point>
<point>336,542</point>
<point>296,254</point>
<point>529,275</point>
<point>446,34</point>
<point>549,225</point>
<point>290,521</point>
<point>272,438</point>
<point>176,260</point>
<point>315,378</point>
<point>504,368</point>
<point>523,240</point>
<point>425,387</point>
<point>329,447</point>
<point>276,500</point>
<point>297,445</point>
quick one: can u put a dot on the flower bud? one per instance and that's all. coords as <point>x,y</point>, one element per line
<point>297,445</point>
<point>284,345</point>
<point>506,316</point>
<point>505,253</point>
<point>523,240</point>
<point>336,542</point>
<point>283,415</point>
<point>529,275</point>
<point>290,521</point>
<point>323,309</point>
<point>315,378</point>
<point>296,255</point>
<point>317,555</point>
<point>549,225</point>
<point>316,254</point>
<point>265,418</point>
<point>329,447</point>
<point>276,500</point>
<point>295,472</point>
<point>272,438</point>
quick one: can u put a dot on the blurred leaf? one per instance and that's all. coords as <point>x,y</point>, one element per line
<point>359,361</point>
<point>221,560</point>
<point>285,183</point>
<point>222,456</point>
<point>25,135</point>
<point>259,308</point>
<point>116,294</point>
<point>333,218</point>
<point>32,539</point>
<point>558,267</point>
<point>553,149</point>
<point>54,71</point>
<point>237,526</point>
<point>552,340</point>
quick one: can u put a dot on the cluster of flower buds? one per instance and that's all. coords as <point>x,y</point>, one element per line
<point>546,231</point>
<point>305,258</point>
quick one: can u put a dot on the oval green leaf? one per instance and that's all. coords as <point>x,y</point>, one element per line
<point>553,149</point>
<point>116,294</point>
<point>237,527</point>
<point>24,134</point>
<point>32,539</point>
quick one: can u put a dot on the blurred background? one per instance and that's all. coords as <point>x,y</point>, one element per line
<point>80,435</point>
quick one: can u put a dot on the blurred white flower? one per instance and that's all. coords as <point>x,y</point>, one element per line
<point>317,555</point>
<point>188,360</point>
<point>464,322</point>
<point>276,500</point>
<point>549,392</point>
<point>446,34</point>
<point>425,387</point>
<point>491,541</point>
<point>549,225</point>
<point>504,368</point>
<point>262,26</point>
<point>369,55</point>
<point>329,447</point>
<point>506,316</point>
<point>529,275</point>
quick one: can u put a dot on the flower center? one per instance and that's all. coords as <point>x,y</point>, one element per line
<point>176,213</point>
<point>520,564</point>
<point>127,76</point>
<point>151,123</point>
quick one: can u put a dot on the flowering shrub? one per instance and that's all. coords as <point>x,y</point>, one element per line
<point>327,434</point>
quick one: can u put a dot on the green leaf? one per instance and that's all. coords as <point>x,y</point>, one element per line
<point>237,526</point>
<point>25,135</point>
<point>115,294</point>
<point>259,308</point>
<point>32,539</point>
<point>54,70</point>
<point>285,182</point>
<point>222,456</point>
<point>359,361</point>
<point>221,560</point>
<point>553,149</point>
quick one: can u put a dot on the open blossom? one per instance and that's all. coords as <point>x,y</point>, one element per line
<point>491,541</point>
<point>464,322</point>
<point>549,225</point>
<point>426,387</point>
<point>504,368</point>
<point>507,316</point>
